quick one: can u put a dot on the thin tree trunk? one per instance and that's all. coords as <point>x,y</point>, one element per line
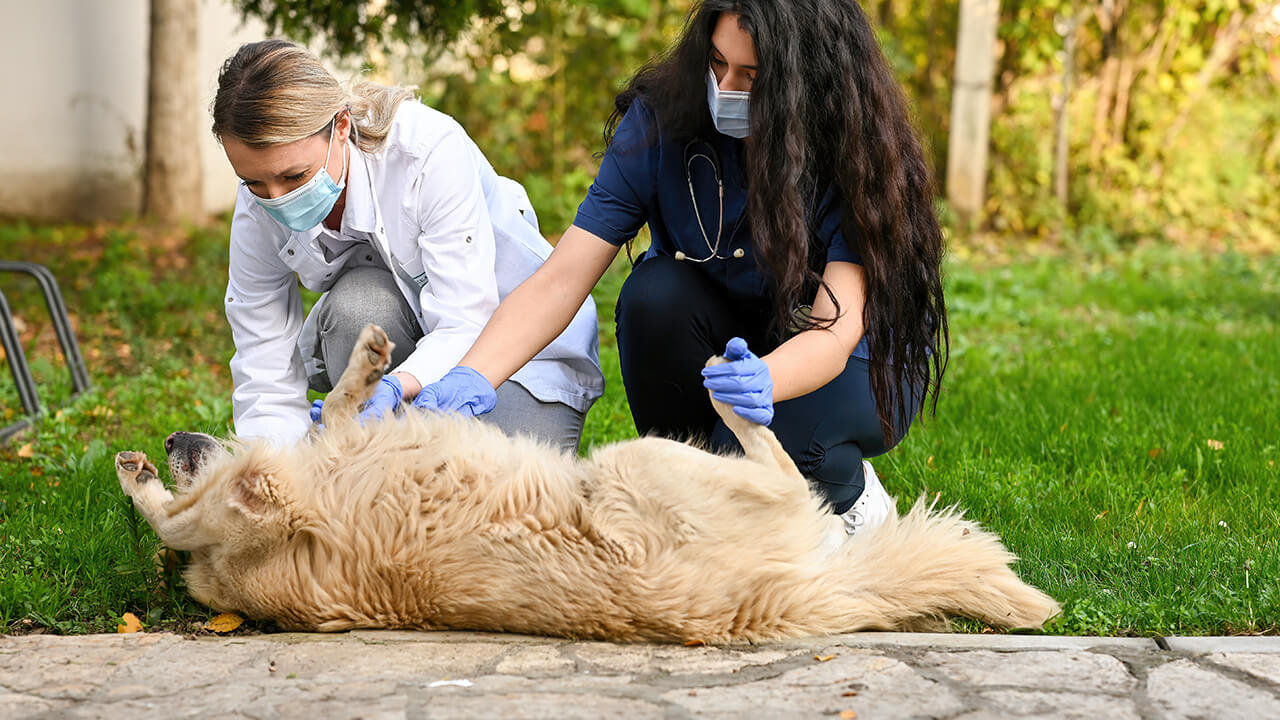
<point>1109,14</point>
<point>173,186</point>
<point>884,14</point>
<point>1120,110</point>
<point>1067,28</point>
<point>967,145</point>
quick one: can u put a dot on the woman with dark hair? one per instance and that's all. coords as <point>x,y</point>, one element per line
<point>793,229</point>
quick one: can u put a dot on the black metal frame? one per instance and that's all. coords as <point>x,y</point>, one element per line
<point>13,347</point>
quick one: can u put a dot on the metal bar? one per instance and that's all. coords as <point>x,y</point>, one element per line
<point>61,319</point>
<point>17,360</point>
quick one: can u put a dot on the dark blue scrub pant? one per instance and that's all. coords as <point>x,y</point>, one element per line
<point>671,317</point>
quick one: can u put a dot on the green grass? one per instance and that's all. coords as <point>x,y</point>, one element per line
<point>1082,417</point>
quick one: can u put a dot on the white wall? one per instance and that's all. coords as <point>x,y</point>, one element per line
<point>74,105</point>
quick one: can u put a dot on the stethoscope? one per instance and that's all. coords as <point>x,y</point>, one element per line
<point>691,154</point>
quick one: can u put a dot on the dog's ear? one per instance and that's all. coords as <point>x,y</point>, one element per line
<point>254,493</point>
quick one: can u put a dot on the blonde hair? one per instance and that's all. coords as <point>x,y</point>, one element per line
<point>274,92</point>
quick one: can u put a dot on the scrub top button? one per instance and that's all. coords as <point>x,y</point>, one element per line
<point>739,253</point>
<point>680,255</point>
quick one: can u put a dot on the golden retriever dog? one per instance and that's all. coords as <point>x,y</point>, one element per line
<point>431,521</point>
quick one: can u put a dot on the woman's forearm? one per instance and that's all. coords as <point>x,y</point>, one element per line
<point>815,357</point>
<point>541,307</point>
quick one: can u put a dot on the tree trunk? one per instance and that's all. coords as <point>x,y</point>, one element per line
<point>1109,13</point>
<point>1067,28</point>
<point>173,187</point>
<point>971,107</point>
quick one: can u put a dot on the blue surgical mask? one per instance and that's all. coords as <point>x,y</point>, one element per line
<point>308,205</point>
<point>730,109</point>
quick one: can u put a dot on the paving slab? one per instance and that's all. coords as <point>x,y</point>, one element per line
<point>1242,643</point>
<point>1183,689</point>
<point>462,675</point>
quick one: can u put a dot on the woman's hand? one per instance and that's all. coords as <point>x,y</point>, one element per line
<point>743,382</point>
<point>461,390</point>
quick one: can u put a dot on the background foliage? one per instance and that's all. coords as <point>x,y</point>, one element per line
<point>1174,114</point>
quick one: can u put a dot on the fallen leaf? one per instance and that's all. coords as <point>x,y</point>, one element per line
<point>849,693</point>
<point>1138,512</point>
<point>1155,452</point>
<point>27,451</point>
<point>1063,428</point>
<point>1271,463</point>
<point>694,643</point>
<point>848,714</point>
<point>929,462</point>
<point>1214,444</point>
<point>224,623</point>
<point>824,658</point>
<point>129,624</point>
<point>1101,515</point>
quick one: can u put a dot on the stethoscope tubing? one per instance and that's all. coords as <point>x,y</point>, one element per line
<point>713,249</point>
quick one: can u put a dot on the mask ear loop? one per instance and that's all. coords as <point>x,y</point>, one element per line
<point>355,129</point>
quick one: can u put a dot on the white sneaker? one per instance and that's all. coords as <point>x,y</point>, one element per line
<point>872,507</point>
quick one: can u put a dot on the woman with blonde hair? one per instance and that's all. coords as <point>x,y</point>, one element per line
<point>389,209</point>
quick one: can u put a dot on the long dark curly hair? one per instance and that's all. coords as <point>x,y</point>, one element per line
<point>826,114</point>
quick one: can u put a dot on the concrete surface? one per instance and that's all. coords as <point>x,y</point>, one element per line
<point>463,675</point>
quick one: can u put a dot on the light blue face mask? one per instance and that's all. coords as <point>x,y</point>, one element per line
<point>730,109</point>
<point>306,206</point>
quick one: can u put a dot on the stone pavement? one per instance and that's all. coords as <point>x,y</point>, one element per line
<point>464,675</point>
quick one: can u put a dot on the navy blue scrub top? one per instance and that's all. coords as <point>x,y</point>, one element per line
<point>644,177</point>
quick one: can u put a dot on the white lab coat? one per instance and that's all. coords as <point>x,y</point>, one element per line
<point>458,238</point>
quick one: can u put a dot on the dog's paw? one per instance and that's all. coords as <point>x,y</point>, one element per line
<point>374,349</point>
<point>134,469</point>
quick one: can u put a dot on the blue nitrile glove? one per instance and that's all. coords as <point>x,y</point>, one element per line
<point>743,382</point>
<point>384,400</point>
<point>461,390</point>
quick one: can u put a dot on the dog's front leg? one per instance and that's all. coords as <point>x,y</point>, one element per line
<point>176,523</point>
<point>369,361</point>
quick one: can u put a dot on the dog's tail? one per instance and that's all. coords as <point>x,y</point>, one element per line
<point>913,571</point>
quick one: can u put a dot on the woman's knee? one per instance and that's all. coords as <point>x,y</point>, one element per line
<point>659,291</point>
<point>837,475</point>
<point>361,296</point>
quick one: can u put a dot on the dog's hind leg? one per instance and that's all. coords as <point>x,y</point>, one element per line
<point>758,442</point>
<point>369,361</point>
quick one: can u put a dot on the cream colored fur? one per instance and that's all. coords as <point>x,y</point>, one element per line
<point>436,522</point>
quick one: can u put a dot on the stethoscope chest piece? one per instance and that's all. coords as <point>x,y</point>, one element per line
<point>738,253</point>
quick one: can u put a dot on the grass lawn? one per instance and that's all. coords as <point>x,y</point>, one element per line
<point>1115,418</point>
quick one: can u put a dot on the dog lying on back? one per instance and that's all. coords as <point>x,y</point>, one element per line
<point>434,522</point>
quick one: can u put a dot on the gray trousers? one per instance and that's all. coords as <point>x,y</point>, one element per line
<point>364,295</point>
